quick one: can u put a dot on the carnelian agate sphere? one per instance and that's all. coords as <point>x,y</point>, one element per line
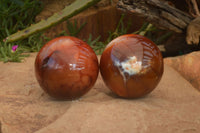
<point>66,68</point>
<point>131,66</point>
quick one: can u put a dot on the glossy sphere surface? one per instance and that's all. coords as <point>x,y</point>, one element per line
<point>66,68</point>
<point>131,66</point>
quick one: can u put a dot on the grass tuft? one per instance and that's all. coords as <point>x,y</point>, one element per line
<point>16,15</point>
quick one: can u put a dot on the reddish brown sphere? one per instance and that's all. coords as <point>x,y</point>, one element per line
<point>66,68</point>
<point>131,66</point>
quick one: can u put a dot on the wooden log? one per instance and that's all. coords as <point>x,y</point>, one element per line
<point>193,31</point>
<point>160,13</point>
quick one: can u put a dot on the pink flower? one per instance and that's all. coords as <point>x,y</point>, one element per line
<point>14,48</point>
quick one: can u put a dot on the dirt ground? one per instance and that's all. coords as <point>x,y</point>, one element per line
<point>173,107</point>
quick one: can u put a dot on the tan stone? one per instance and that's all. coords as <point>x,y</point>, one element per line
<point>188,66</point>
<point>173,107</point>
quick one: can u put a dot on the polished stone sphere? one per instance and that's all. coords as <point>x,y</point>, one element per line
<point>66,68</point>
<point>131,66</point>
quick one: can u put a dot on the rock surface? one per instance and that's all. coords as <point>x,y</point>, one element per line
<point>173,107</point>
<point>188,66</point>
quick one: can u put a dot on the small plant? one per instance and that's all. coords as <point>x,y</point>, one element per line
<point>14,16</point>
<point>10,53</point>
<point>73,29</point>
<point>99,46</point>
<point>34,43</point>
<point>147,30</point>
<point>96,45</point>
<point>158,36</point>
<point>120,29</point>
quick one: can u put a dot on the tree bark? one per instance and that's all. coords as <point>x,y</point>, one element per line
<point>158,12</point>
